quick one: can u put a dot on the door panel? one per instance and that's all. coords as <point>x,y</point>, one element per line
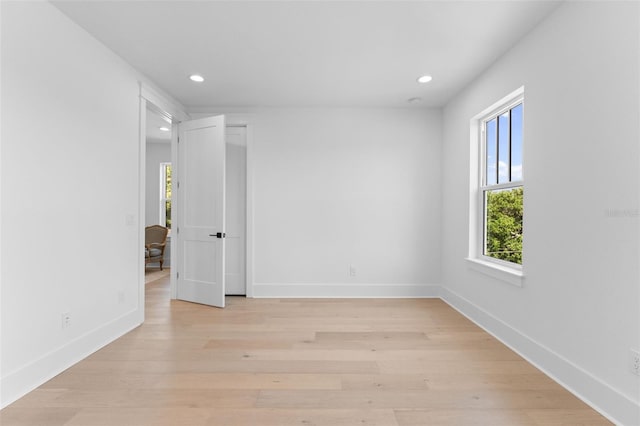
<point>201,211</point>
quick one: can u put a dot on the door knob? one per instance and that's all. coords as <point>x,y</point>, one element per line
<point>218,235</point>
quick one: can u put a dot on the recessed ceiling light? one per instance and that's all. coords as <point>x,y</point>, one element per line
<point>164,129</point>
<point>425,79</point>
<point>197,78</point>
<point>414,100</point>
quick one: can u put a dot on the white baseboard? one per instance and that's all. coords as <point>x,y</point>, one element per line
<point>346,290</point>
<point>612,404</point>
<point>22,381</point>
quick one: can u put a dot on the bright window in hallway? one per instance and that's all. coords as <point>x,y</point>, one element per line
<point>165,194</point>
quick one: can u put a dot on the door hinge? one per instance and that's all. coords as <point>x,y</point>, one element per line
<point>178,184</point>
<point>177,274</point>
<point>178,230</point>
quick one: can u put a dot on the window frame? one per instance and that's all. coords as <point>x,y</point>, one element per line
<point>504,270</point>
<point>163,192</point>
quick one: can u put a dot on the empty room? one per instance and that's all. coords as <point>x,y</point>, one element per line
<point>330,213</point>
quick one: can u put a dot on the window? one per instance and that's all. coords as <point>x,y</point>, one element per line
<point>496,190</point>
<point>501,187</point>
<point>165,194</point>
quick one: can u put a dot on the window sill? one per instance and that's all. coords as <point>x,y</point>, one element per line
<point>502,273</point>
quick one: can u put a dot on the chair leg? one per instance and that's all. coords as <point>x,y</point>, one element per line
<point>161,264</point>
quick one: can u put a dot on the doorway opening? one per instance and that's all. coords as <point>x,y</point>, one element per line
<point>236,211</point>
<point>238,263</point>
<point>158,188</point>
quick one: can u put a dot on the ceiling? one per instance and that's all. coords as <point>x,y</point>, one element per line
<point>309,53</point>
<point>154,121</point>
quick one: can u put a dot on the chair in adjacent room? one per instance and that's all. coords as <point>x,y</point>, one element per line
<point>155,240</point>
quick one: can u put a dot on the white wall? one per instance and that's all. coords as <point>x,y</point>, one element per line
<point>340,187</point>
<point>156,153</point>
<point>577,314</point>
<point>69,193</point>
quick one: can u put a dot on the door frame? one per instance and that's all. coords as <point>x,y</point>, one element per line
<point>234,121</point>
<point>244,120</point>
<point>154,100</point>
<point>149,97</point>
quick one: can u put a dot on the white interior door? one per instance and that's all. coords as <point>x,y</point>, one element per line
<point>201,211</point>
<point>236,210</point>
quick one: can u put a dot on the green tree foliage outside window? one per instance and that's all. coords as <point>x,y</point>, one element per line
<point>504,224</point>
<point>168,213</point>
<point>168,182</point>
<point>165,202</point>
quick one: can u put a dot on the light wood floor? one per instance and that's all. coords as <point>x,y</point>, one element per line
<point>152,273</point>
<point>262,362</point>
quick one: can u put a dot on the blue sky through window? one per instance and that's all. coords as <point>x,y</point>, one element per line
<point>516,143</point>
<point>504,147</point>
<point>492,177</point>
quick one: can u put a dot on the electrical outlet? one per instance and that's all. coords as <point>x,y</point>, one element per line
<point>352,271</point>
<point>66,320</point>
<point>634,362</point>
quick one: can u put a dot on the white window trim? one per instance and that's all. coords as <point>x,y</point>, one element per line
<point>493,269</point>
<point>504,271</point>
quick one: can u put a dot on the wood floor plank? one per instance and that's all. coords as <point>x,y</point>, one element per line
<point>40,417</point>
<point>246,381</point>
<point>464,417</point>
<point>368,336</point>
<point>245,344</point>
<point>411,399</point>
<point>281,362</point>
<point>146,398</point>
<point>232,417</point>
<point>72,380</point>
<point>297,417</point>
<point>364,354</point>
<point>562,416</point>
<point>492,380</point>
<point>243,381</point>
<point>213,365</point>
<point>142,417</point>
<point>471,367</point>
<point>384,382</point>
